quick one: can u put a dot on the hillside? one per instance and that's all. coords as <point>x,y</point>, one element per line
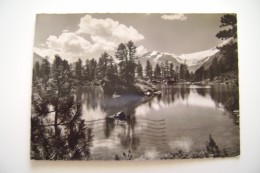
<point>37,58</point>
<point>208,63</point>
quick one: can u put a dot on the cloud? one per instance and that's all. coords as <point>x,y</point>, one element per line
<point>107,32</point>
<point>72,46</point>
<point>93,37</point>
<point>180,17</point>
<point>68,45</point>
<point>140,50</point>
<point>68,42</point>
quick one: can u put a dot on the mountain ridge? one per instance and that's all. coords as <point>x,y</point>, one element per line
<point>193,60</point>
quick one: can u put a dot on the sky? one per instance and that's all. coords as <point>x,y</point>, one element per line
<point>87,36</point>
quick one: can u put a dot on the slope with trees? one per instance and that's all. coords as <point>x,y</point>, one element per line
<point>224,65</point>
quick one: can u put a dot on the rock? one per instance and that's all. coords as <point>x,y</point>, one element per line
<point>115,96</point>
<point>158,92</point>
<point>139,87</point>
<point>148,93</point>
<point>120,116</point>
<point>111,117</point>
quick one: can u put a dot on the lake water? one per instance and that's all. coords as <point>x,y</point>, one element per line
<point>181,118</point>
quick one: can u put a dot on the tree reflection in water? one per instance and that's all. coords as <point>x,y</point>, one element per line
<point>134,133</point>
<point>127,136</point>
<point>91,96</point>
<point>109,127</point>
<point>127,104</point>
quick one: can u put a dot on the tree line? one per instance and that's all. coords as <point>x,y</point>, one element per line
<point>168,71</point>
<point>125,71</point>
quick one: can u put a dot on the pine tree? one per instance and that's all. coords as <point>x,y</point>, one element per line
<point>163,74</point>
<point>93,69</point>
<point>178,73</point>
<point>66,66</point>
<point>148,70</point>
<point>131,50</point>
<point>157,71</point>
<point>131,63</point>
<point>121,55</point>
<point>166,69</point>
<point>187,75</point>
<point>139,70</point>
<point>229,50</point>
<point>228,21</point>
<point>111,72</point>
<point>58,132</point>
<point>102,65</point>
<point>86,71</point>
<point>182,72</point>
<point>36,69</point>
<point>45,69</point>
<point>126,56</point>
<point>171,70</point>
<point>192,77</point>
<point>110,83</point>
<point>78,70</point>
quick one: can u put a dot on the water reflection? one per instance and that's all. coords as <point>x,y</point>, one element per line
<point>109,127</point>
<point>181,117</point>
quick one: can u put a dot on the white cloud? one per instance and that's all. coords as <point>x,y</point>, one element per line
<point>140,50</point>
<point>68,45</point>
<point>68,42</point>
<point>180,17</point>
<point>103,35</point>
<point>71,47</point>
<point>103,43</point>
<point>107,32</point>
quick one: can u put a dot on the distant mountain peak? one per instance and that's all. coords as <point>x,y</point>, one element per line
<point>154,53</point>
<point>193,60</point>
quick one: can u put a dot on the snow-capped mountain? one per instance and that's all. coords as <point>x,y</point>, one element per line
<point>197,59</point>
<point>158,57</point>
<point>192,60</point>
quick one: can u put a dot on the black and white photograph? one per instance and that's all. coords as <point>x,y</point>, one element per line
<point>135,86</point>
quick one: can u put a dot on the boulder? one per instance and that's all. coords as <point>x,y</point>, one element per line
<point>120,116</point>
